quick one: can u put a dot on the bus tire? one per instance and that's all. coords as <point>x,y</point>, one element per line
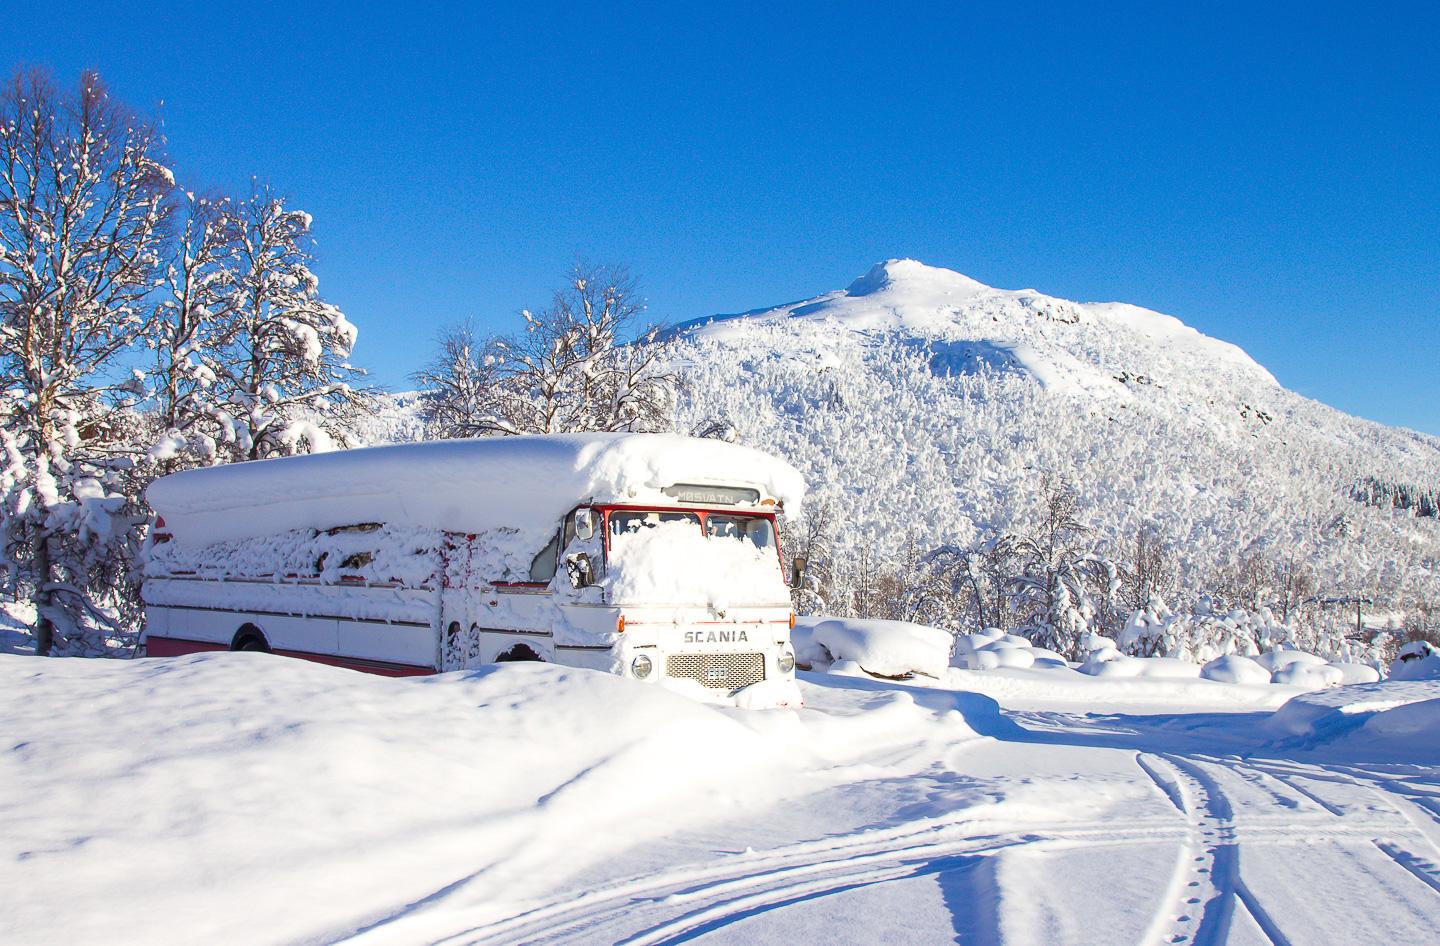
<point>517,653</point>
<point>250,638</point>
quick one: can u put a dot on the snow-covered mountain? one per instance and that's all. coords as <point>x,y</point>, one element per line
<point>923,406</point>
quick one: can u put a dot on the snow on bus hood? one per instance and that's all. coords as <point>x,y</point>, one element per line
<point>523,484</point>
<point>675,563</point>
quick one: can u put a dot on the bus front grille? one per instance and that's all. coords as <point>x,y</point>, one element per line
<point>720,671</point>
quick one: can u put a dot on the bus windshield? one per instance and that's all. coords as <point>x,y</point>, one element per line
<point>673,556</point>
<point>627,521</point>
<point>756,530</point>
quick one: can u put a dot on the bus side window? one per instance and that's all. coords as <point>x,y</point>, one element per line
<point>542,568</point>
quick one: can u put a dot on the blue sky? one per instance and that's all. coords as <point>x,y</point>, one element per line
<point>1271,176</point>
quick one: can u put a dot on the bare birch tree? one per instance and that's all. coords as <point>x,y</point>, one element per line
<point>82,222</point>
<point>282,382</point>
<point>569,369</point>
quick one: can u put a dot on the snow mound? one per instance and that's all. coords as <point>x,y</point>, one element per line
<point>528,482</point>
<point>1232,668</point>
<point>1111,663</point>
<point>1413,721</point>
<point>880,648</point>
<point>992,649</point>
<point>1312,676</point>
<point>1351,673</point>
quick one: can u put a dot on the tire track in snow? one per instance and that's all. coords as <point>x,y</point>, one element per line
<point>1412,820</point>
<point>1424,869</point>
<point>712,894</point>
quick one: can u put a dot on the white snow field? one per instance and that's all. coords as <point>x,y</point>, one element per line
<point>247,798</point>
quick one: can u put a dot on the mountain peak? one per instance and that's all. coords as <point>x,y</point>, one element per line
<point>913,274</point>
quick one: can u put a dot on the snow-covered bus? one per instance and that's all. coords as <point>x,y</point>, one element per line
<point>648,555</point>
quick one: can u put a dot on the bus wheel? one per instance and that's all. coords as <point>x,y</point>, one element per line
<point>250,638</point>
<point>518,652</point>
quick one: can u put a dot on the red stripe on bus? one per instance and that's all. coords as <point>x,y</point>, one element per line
<point>177,647</point>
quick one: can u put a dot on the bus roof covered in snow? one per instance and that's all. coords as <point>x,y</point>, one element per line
<point>522,483</point>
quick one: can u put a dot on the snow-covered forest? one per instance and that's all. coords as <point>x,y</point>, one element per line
<point>975,457</point>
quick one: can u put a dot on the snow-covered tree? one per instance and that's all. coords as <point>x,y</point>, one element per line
<point>83,208</point>
<point>191,324</point>
<point>460,384</point>
<point>1060,580</point>
<point>979,582</point>
<point>279,361</point>
<point>568,370</point>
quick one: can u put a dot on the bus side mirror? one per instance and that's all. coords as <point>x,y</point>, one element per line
<point>797,573</point>
<point>584,523</point>
<point>578,567</point>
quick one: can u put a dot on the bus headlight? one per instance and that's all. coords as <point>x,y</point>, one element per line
<point>641,667</point>
<point>787,661</point>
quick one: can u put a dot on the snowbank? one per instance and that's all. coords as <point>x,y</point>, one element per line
<point>1418,721</point>
<point>676,563</point>
<point>1329,713</point>
<point>247,798</point>
<point>241,792</point>
<point>527,484</point>
<point>880,648</point>
<point>1032,688</point>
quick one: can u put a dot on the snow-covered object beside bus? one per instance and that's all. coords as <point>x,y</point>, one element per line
<point>890,649</point>
<point>652,556</point>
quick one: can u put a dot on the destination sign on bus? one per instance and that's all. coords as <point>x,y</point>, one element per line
<point>712,495</point>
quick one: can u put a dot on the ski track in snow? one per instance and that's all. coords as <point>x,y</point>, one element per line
<point>1224,812</point>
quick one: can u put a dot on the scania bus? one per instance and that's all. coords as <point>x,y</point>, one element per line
<point>652,556</point>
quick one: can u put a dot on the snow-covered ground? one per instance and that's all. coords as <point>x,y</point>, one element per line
<point>245,798</point>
